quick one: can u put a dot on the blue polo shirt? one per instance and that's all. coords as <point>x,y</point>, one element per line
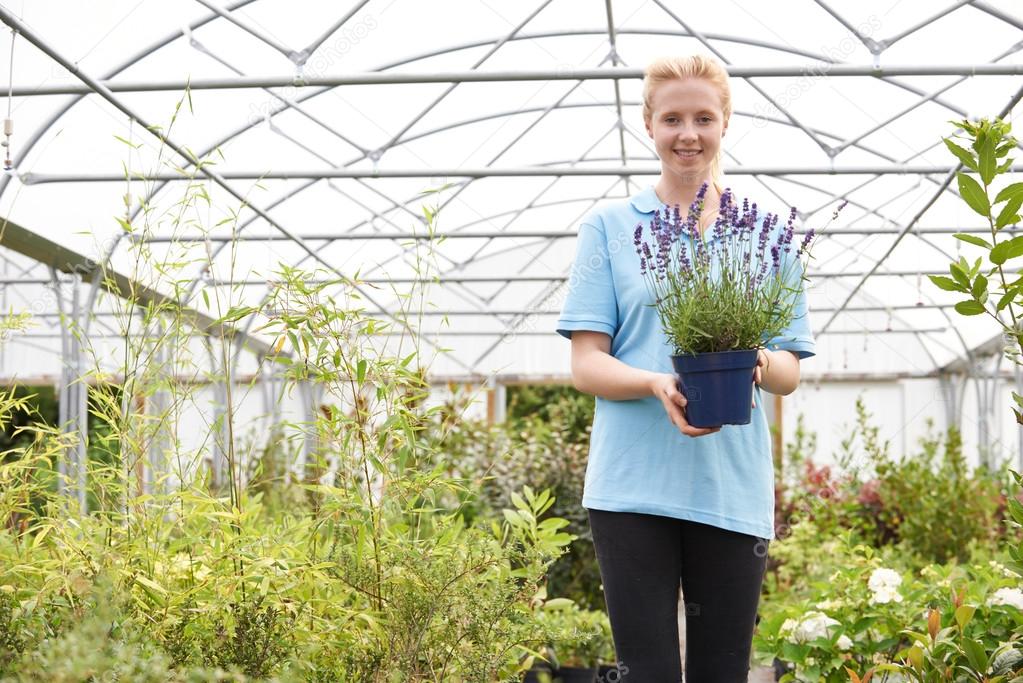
<point>638,460</point>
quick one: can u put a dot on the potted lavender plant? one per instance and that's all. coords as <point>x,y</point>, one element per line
<point>720,297</point>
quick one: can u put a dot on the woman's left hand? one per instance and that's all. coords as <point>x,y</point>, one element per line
<point>763,361</point>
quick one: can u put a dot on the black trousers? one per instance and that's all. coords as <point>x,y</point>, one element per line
<point>644,559</point>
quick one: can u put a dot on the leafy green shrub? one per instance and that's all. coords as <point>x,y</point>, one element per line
<point>529,450</point>
<point>864,609</point>
<point>929,503</point>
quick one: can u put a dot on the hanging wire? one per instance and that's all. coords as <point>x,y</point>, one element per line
<point>9,120</point>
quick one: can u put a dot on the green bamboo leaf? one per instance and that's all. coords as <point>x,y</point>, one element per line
<point>360,371</point>
<point>973,239</point>
<point>945,283</point>
<point>969,307</point>
<point>964,156</point>
<point>973,194</point>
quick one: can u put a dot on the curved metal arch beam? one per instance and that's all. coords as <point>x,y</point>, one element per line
<point>1013,101</point>
<point>408,60</point>
<point>631,103</point>
<point>30,35</point>
<point>34,138</point>
<point>504,251</point>
<point>374,155</point>
<point>31,142</point>
<point>739,112</point>
<point>928,297</point>
<point>919,103</point>
<point>239,4</point>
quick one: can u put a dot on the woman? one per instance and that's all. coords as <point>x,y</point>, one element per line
<point>671,505</point>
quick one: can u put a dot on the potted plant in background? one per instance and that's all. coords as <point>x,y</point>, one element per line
<point>588,658</point>
<point>720,299</point>
<point>581,642</point>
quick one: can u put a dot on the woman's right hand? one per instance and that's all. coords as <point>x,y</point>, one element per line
<point>665,387</point>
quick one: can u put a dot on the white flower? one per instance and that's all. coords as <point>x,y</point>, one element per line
<point>885,585</point>
<point>828,604</point>
<point>885,595</point>
<point>813,625</point>
<point>1007,596</point>
<point>787,627</point>
<point>998,566</point>
<point>843,642</point>
<point>882,578</point>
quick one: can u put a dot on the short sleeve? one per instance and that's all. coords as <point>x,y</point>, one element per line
<point>590,303</point>
<point>798,336</point>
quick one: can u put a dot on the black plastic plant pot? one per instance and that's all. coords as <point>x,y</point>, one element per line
<point>571,674</point>
<point>608,673</point>
<point>718,386</point>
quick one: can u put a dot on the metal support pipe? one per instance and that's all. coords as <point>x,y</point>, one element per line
<point>440,175</point>
<point>79,417</point>
<point>561,74</point>
<point>218,452</point>
<point>523,234</point>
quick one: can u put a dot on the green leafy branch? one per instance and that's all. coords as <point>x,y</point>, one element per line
<point>990,290</point>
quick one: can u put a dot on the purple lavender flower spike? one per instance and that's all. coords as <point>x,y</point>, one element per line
<point>807,238</point>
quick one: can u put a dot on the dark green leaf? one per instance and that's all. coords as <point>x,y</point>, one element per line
<point>964,156</point>
<point>945,283</point>
<point>969,307</point>
<point>973,239</point>
<point>976,654</point>
<point>973,194</point>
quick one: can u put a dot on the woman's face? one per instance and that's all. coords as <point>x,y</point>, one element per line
<point>686,125</point>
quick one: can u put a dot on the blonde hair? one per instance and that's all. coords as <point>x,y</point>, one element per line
<point>691,66</point>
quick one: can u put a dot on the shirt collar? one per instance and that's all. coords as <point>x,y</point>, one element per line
<point>646,200</point>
